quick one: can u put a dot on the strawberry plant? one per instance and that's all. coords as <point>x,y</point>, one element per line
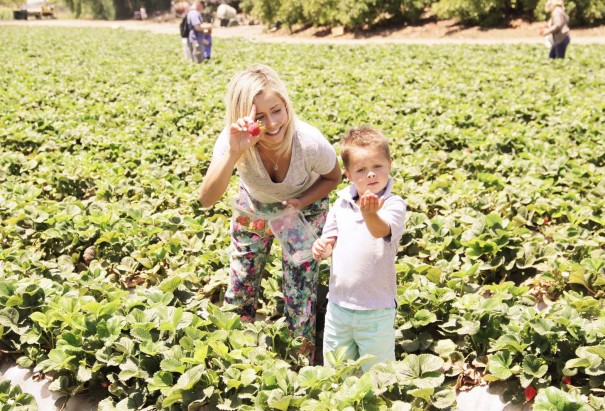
<point>12,398</point>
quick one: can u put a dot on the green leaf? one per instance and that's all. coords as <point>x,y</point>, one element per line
<point>499,365</point>
<point>553,399</point>
<point>420,370</point>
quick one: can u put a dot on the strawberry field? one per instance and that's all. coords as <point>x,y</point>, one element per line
<point>112,274</point>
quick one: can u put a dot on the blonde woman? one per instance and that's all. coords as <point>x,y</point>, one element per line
<point>557,30</point>
<point>289,163</point>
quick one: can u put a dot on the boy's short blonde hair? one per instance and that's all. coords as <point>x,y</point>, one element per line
<point>363,136</point>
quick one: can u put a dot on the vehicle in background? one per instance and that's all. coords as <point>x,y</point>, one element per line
<point>35,8</point>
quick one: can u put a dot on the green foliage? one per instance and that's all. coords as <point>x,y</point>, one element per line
<point>489,12</point>
<point>12,398</point>
<point>114,9</point>
<point>97,9</point>
<point>362,14</point>
<point>477,12</point>
<point>353,15</point>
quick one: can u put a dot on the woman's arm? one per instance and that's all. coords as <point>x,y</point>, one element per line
<point>321,188</point>
<point>219,172</point>
<point>217,178</point>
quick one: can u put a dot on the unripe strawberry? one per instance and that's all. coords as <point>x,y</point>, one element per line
<point>530,393</point>
<point>268,231</point>
<point>252,225</point>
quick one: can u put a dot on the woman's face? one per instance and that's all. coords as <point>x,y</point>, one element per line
<point>272,113</point>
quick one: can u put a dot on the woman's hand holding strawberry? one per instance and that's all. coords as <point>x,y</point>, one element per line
<point>244,133</point>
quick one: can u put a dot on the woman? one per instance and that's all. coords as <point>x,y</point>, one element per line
<point>290,164</point>
<point>557,31</point>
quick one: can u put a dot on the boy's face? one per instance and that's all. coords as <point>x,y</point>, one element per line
<point>368,169</point>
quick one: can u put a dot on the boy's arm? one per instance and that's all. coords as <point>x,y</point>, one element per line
<point>369,204</point>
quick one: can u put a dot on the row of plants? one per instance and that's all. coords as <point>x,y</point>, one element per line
<point>110,267</point>
<point>364,14</point>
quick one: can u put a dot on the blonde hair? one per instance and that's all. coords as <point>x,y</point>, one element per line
<point>363,136</point>
<point>551,4</point>
<point>241,91</point>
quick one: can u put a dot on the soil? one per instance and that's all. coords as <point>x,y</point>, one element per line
<point>431,32</point>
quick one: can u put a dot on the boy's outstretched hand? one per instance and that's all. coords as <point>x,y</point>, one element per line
<point>322,248</point>
<point>369,203</point>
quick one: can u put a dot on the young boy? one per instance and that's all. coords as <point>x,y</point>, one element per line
<point>362,232</point>
<point>207,27</point>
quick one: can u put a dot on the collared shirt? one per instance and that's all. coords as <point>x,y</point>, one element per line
<point>362,275</point>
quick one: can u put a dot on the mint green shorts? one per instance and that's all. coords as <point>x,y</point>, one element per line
<point>361,332</point>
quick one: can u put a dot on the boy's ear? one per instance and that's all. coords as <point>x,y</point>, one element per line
<point>346,173</point>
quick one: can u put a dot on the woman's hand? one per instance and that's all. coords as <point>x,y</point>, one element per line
<point>239,138</point>
<point>293,202</point>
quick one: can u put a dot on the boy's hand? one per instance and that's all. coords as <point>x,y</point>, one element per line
<point>322,248</point>
<point>369,203</point>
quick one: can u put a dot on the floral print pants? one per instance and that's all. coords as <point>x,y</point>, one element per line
<point>250,248</point>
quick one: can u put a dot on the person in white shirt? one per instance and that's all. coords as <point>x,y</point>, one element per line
<point>289,164</point>
<point>557,30</point>
<point>362,234</point>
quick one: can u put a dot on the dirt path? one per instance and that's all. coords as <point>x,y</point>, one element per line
<point>443,32</point>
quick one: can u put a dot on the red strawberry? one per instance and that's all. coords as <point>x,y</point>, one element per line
<point>254,129</point>
<point>566,380</point>
<point>252,225</point>
<point>268,231</point>
<point>546,220</point>
<point>260,224</point>
<point>530,393</point>
<point>242,220</point>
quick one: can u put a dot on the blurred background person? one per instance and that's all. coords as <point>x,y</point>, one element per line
<point>193,46</point>
<point>557,29</point>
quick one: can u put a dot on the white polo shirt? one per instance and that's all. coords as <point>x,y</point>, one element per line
<point>362,275</point>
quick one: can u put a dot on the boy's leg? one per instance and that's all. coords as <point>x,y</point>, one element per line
<point>300,281</point>
<point>375,335</point>
<point>248,256</point>
<point>338,332</point>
